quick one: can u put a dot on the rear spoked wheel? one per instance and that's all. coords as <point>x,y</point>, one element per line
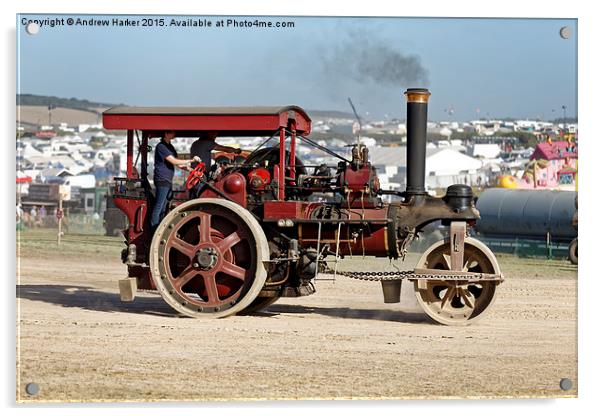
<point>207,258</point>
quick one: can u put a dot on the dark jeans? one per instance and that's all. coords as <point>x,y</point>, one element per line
<point>160,203</point>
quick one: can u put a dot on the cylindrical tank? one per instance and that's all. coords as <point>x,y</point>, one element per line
<point>526,213</point>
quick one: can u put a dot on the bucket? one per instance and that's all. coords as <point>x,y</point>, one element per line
<point>391,290</point>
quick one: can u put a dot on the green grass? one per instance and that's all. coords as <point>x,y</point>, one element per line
<point>43,243</point>
<point>519,267</point>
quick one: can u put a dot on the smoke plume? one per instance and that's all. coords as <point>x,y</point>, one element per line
<point>364,57</point>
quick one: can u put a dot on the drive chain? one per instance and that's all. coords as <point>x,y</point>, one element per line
<point>400,275</point>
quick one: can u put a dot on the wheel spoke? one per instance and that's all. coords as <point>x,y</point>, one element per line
<point>467,262</point>
<point>233,270</point>
<point>448,296</point>
<point>211,287</point>
<point>183,247</point>
<point>185,277</point>
<point>475,290</point>
<point>204,227</point>
<point>446,261</point>
<point>229,242</point>
<point>466,296</point>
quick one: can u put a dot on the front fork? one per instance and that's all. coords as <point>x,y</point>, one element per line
<point>457,234</point>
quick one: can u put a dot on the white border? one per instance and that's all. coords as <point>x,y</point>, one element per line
<point>589,99</point>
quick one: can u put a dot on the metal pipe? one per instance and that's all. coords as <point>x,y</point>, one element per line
<point>324,149</point>
<point>332,221</point>
<point>281,281</point>
<point>416,139</point>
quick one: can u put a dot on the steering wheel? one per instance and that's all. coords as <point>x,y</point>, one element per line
<point>195,176</point>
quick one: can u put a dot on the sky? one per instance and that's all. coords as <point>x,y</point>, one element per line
<point>474,68</point>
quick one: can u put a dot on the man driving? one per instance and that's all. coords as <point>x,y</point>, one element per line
<point>205,144</point>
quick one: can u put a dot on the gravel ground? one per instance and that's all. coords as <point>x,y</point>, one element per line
<point>79,342</point>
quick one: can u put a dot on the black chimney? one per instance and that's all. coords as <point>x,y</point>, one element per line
<point>416,139</point>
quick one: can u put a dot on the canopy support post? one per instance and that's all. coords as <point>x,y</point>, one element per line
<point>130,154</point>
<point>282,169</point>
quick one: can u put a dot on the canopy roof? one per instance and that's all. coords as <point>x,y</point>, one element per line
<point>189,121</point>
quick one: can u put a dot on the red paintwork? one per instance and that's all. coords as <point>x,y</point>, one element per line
<point>374,233</point>
<point>240,194</point>
<point>134,209</point>
<point>275,210</point>
<point>143,277</point>
<point>226,124</point>
<point>277,175</point>
<point>282,167</point>
<point>234,184</point>
<point>189,124</point>
<point>138,217</point>
<point>259,179</point>
<point>230,157</point>
<point>356,180</point>
<point>195,176</point>
<point>292,155</point>
<point>374,241</point>
<point>360,185</point>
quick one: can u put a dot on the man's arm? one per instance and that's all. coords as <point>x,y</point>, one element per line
<point>228,149</point>
<point>183,164</point>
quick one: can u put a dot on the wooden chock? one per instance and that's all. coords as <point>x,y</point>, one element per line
<point>127,289</point>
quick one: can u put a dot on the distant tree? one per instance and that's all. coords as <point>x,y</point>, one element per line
<point>526,139</point>
<point>94,130</point>
<point>568,120</point>
<point>51,101</point>
<point>461,135</point>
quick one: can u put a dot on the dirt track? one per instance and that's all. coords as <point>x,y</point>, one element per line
<point>80,343</point>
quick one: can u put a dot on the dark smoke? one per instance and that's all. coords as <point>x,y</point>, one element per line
<point>364,57</point>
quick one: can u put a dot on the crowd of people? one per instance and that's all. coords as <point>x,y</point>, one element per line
<point>35,217</point>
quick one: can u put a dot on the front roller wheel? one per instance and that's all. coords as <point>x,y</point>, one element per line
<point>457,302</point>
<point>207,258</point>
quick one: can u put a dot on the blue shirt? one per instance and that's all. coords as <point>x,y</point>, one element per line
<point>163,173</point>
<point>202,148</point>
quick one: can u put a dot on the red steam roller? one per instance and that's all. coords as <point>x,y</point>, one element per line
<point>264,227</point>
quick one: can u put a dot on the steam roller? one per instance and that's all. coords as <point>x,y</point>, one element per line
<point>263,228</point>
